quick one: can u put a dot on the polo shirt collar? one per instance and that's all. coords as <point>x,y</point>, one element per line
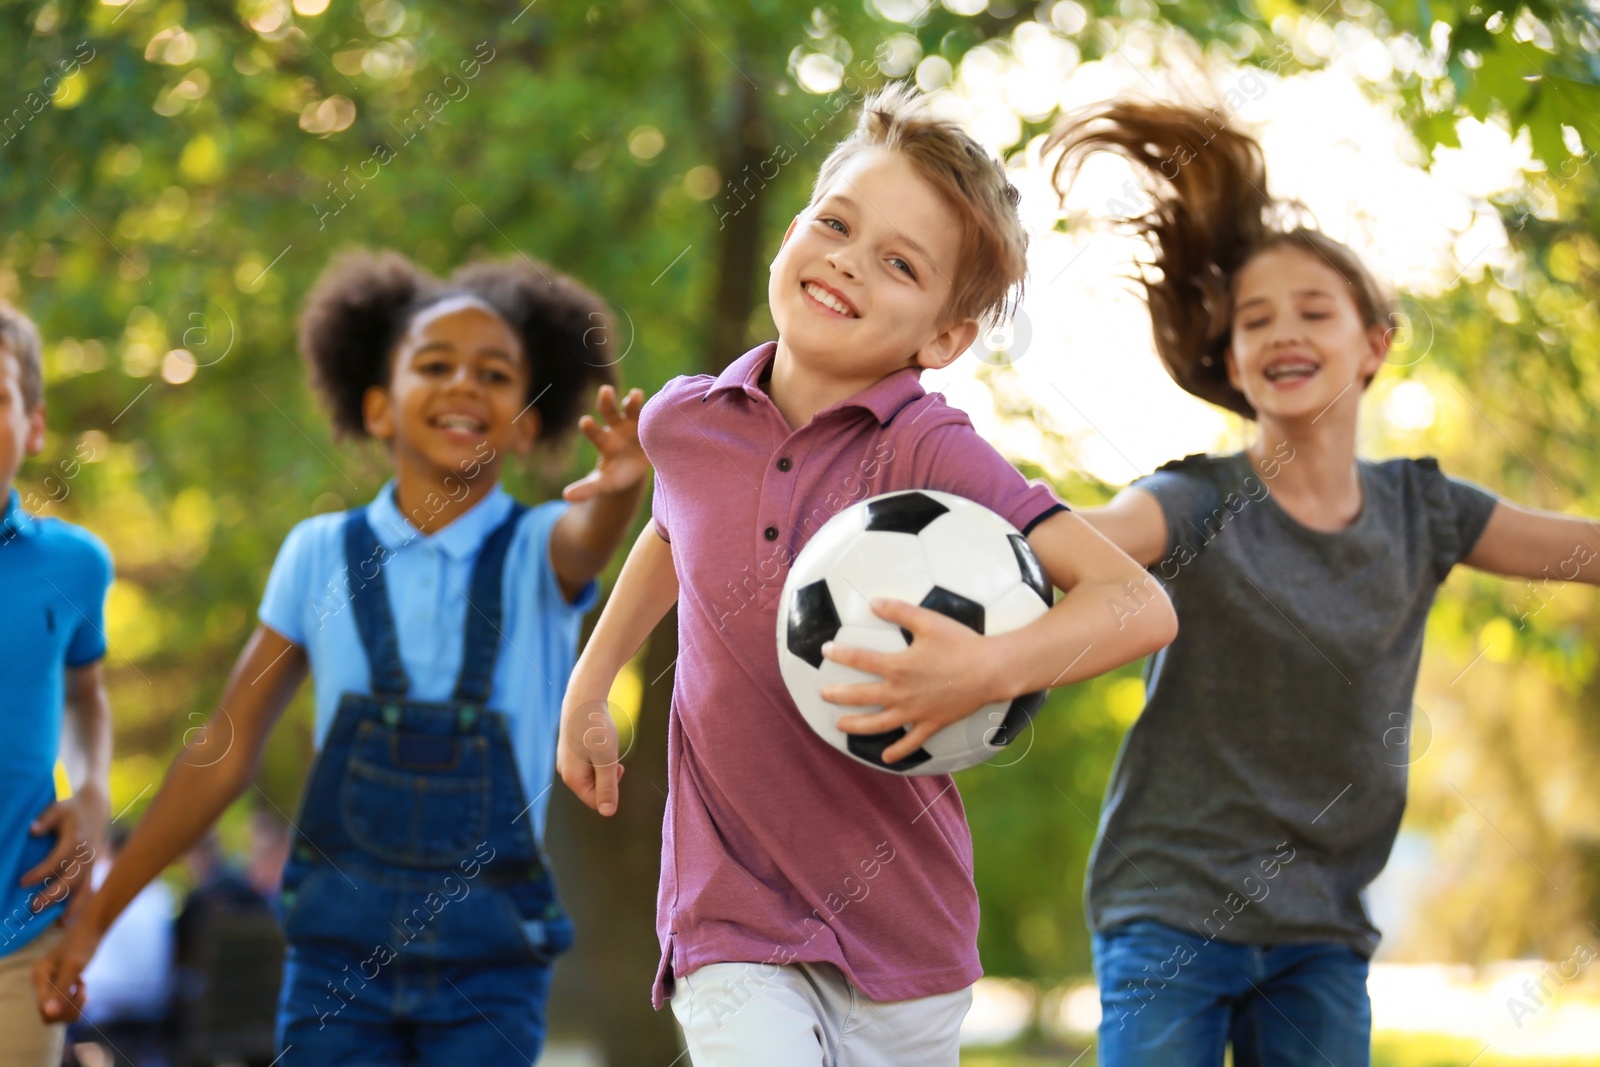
<point>17,522</point>
<point>883,398</point>
<point>460,539</point>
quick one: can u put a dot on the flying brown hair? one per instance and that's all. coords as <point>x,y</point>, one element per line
<point>1212,217</point>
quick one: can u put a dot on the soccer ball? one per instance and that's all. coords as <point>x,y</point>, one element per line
<point>934,549</point>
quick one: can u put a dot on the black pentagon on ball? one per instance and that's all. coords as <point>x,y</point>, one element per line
<point>813,622</point>
<point>870,747</point>
<point>1018,716</point>
<point>968,613</point>
<point>1032,573</point>
<point>903,513</point>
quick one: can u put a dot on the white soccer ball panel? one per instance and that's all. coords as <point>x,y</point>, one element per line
<point>828,543</point>
<point>966,743</point>
<point>1016,609</point>
<point>883,638</point>
<point>801,679</point>
<point>877,565</point>
<point>967,553</point>
<point>823,715</point>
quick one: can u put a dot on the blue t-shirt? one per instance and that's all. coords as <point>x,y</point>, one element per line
<point>307,600</point>
<point>54,576</point>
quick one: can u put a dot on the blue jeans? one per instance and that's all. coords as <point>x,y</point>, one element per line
<point>1172,998</point>
<point>412,1010</point>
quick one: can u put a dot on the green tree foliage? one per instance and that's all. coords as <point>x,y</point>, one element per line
<point>173,176</point>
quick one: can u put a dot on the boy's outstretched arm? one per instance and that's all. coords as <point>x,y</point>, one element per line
<point>215,766</point>
<point>1113,613</point>
<point>603,501</point>
<point>79,821</point>
<point>586,752</point>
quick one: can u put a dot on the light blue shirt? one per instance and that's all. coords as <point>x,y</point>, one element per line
<point>307,600</point>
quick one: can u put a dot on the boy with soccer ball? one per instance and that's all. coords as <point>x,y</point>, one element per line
<point>812,910</point>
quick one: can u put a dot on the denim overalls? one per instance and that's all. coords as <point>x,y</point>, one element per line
<point>414,852</point>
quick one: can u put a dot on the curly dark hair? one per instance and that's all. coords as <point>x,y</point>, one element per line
<point>361,306</point>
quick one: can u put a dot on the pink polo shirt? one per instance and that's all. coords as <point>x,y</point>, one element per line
<point>776,847</point>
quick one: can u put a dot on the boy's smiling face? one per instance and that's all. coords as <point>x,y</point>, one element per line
<point>457,397</point>
<point>861,285</point>
<point>21,430</point>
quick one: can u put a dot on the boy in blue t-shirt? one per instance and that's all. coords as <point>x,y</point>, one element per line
<point>439,624</point>
<point>54,578</point>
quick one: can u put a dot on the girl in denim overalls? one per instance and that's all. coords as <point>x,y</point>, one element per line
<point>439,624</point>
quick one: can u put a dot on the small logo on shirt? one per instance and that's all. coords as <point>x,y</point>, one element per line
<point>49,619</point>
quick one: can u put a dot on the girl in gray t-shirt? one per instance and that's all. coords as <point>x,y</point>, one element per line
<point>1261,789</point>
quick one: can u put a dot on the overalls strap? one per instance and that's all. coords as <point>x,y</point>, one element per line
<point>485,613</point>
<point>369,596</point>
<point>406,795</point>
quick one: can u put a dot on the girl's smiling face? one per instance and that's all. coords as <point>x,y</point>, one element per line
<point>457,397</point>
<point>861,285</point>
<point>1298,343</point>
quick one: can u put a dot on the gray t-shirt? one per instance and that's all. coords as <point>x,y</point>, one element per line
<point>1261,789</point>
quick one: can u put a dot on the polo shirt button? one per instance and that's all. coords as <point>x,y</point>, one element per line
<point>783,463</point>
<point>770,533</point>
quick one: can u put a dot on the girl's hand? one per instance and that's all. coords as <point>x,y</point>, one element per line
<point>621,464</point>
<point>945,675</point>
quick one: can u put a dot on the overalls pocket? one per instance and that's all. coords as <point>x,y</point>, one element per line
<point>416,799</point>
<point>532,914</point>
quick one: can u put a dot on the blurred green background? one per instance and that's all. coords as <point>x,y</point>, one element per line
<point>173,176</point>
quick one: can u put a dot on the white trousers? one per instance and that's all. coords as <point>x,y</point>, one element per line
<point>809,1015</point>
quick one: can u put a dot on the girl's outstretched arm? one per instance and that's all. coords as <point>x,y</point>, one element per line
<point>1525,543</point>
<point>586,752</point>
<point>603,501</point>
<point>1135,522</point>
<point>215,766</point>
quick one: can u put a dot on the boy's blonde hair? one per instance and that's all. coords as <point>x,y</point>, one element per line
<point>20,337</point>
<point>994,247</point>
